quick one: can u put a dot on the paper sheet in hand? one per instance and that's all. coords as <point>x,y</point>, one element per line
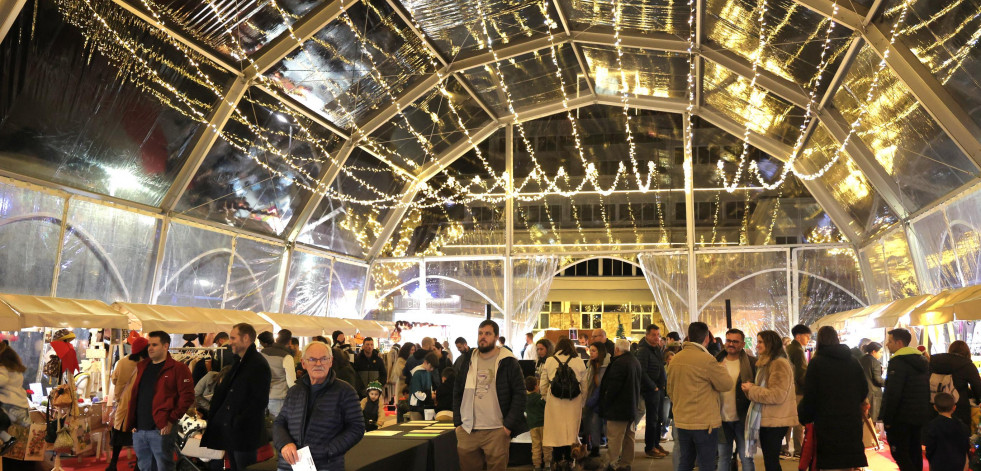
<point>304,460</point>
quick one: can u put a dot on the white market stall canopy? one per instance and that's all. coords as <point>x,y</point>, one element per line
<point>882,315</point>
<point>22,311</point>
<point>963,304</point>
<point>188,320</point>
<point>299,325</point>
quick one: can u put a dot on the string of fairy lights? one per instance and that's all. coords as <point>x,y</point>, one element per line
<point>493,187</point>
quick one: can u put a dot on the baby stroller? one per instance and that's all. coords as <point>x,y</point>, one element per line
<point>192,456</point>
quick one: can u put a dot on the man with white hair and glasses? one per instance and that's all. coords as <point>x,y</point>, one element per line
<point>320,412</point>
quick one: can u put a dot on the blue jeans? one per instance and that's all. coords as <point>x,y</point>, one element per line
<point>154,452</point>
<point>734,431</point>
<point>700,444</point>
<point>592,425</point>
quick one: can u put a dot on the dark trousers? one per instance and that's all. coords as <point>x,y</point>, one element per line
<point>905,446</point>
<point>239,460</point>
<point>652,436</point>
<point>698,444</point>
<point>770,440</point>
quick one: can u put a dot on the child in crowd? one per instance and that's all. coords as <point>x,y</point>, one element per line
<point>372,407</point>
<point>444,393</point>
<point>402,405</point>
<point>421,387</point>
<point>947,441</point>
<point>535,412</point>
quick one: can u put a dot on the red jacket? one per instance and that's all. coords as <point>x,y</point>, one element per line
<point>174,394</point>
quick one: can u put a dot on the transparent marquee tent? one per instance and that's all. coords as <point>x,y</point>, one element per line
<point>342,157</point>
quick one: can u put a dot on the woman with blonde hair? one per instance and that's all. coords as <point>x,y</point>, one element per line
<point>123,377</point>
<point>774,400</point>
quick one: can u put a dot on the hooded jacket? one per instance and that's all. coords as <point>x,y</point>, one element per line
<point>966,379</point>
<point>906,399</point>
<point>834,391</point>
<point>511,392</point>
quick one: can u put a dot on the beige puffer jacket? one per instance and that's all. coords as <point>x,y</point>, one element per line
<point>779,398</point>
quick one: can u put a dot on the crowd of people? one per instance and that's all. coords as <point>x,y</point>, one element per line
<point>721,402</point>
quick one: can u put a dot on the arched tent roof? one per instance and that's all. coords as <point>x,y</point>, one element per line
<point>353,99</point>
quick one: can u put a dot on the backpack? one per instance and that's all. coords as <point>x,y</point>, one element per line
<point>565,385</point>
<point>942,384</point>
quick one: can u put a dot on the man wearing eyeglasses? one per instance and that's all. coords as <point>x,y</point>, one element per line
<point>742,368</point>
<point>320,412</point>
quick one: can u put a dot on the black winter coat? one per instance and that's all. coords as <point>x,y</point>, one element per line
<point>332,428</point>
<point>237,417</point>
<point>906,399</point>
<point>967,381</point>
<point>375,362</point>
<point>511,393</point>
<point>620,389</point>
<point>652,366</point>
<point>834,392</point>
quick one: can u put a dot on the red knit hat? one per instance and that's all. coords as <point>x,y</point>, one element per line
<point>139,344</point>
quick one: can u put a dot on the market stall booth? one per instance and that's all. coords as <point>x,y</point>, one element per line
<point>949,316</point>
<point>84,370</point>
<point>873,321</point>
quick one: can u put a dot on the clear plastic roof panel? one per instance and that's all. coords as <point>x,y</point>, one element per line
<point>355,65</point>
<point>342,222</point>
<point>795,37</point>
<point>637,15</point>
<point>934,238</point>
<point>647,73</point>
<point>751,214</point>
<point>257,173</point>
<point>441,227</point>
<point>635,215</point>
<point>195,268</point>
<point>965,227</point>
<point>254,278</point>
<point>766,113</point>
<point>756,283</point>
<point>108,253</point>
<point>908,144</point>
<point>306,289</point>
<point>847,184</point>
<point>30,227</point>
<point>420,133</point>
<point>878,280</point>
<point>345,289</point>
<point>530,79</point>
<point>233,29</point>
<point>944,36</point>
<point>460,27</point>
<point>86,114</point>
<point>828,281</point>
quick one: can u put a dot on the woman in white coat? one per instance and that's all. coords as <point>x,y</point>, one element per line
<point>562,416</point>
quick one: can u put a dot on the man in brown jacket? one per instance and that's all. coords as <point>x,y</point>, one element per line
<point>695,381</point>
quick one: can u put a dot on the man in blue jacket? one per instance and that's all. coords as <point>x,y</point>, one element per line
<point>653,380</point>
<point>320,412</point>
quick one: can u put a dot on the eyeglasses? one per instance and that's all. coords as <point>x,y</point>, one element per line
<point>318,360</point>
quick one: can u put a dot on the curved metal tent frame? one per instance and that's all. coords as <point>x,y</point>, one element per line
<point>863,21</point>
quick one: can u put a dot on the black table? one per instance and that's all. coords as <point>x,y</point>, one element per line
<point>405,452</point>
